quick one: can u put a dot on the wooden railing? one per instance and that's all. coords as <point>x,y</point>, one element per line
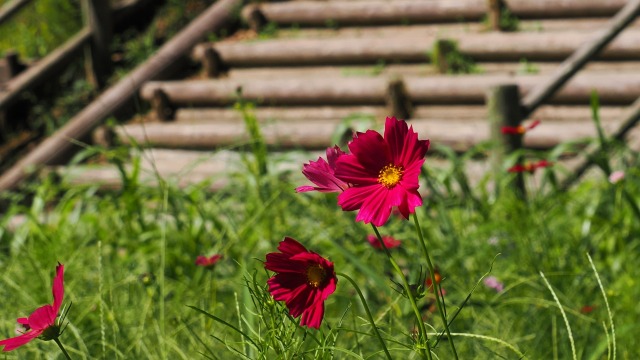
<point>506,108</point>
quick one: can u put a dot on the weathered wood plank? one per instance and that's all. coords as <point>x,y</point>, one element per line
<point>613,88</point>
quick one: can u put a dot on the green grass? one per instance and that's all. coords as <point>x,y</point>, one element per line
<point>130,272</point>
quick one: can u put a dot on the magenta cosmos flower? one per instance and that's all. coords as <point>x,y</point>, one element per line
<point>208,262</point>
<point>43,322</point>
<point>383,172</point>
<point>389,242</point>
<point>322,173</point>
<point>304,280</point>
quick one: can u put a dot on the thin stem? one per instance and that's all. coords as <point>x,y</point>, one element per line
<point>436,286</point>
<point>366,309</point>
<point>62,348</point>
<point>405,284</point>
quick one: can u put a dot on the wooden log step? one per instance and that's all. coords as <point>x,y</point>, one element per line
<point>439,29</point>
<point>495,46</point>
<point>376,12</point>
<point>418,70</point>
<point>186,168</point>
<point>378,113</point>
<point>613,88</point>
<point>459,134</point>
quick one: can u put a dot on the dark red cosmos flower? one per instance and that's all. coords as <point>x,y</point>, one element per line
<point>303,280</point>
<point>389,242</point>
<point>382,172</point>
<point>322,173</point>
<point>519,130</point>
<point>530,167</point>
<point>208,262</point>
<point>43,322</point>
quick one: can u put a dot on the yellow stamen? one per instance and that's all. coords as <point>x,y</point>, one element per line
<point>316,275</point>
<point>390,175</point>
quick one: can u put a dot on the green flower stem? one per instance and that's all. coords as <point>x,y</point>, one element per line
<point>66,354</point>
<point>423,339</point>
<point>437,291</point>
<point>366,308</point>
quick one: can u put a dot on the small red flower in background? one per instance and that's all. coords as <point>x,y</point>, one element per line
<point>208,262</point>
<point>322,173</point>
<point>530,167</point>
<point>429,282</point>
<point>43,322</point>
<point>383,172</point>
<point>389,242</point>
<point>492,282</point>
<point>519,130</point>
<point>303,280</point>
<point>587,309</point>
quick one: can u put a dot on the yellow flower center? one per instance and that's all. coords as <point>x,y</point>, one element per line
<point>521,129</point>
<point>316,275</point>
<point>390,175</point>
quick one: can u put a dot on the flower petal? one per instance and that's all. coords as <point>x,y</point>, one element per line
<point>16,342</point>
<point>58,289</point>
<point>353,198</point>
<point>290,246</point>
<point>43,317</point>
<point>312,316</point>
<point>371,151</point>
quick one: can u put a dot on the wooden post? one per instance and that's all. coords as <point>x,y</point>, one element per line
<point>254,18</point>
<point>503,103</point>
<point>441,50</point>
<point>494,12</point>
<point>98,57</point>
<point>211,62</point>
<point>398,101</point>
<point>162,105</point>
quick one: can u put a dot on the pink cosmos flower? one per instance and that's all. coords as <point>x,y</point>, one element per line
<point>519,130</point>
<point>304,280</point>
<point>389,242</point>
<point>616,176</point>
<point>43,322</point>
<point>322,173</point>
<point>493,283</point>
<point>530,167</point>
<point>383,172</point>
<point>208,262</point>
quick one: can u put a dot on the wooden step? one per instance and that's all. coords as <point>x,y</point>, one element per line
<point>613,88</point>
<point>454,130</point>
<point>378,113</point>
<point>213,171</point>
<point>495,46</point>
<point>384,70</point>
<point>376,12</point>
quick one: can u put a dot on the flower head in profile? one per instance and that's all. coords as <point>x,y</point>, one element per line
<point>322,173</point>
<point>530,167</point>
<point>45,322</point>
<point>493,283</point>
<point>389,242</point>
<point>208,262</point>
<point>519,130</point>
<point>303,280</point>
<point>383,172</point>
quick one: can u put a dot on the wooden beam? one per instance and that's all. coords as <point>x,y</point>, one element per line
<point>377,12</point>
<point>62,141</point>
<point>532,46</point>
<point>580,57</point>
<point>613,88</point>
